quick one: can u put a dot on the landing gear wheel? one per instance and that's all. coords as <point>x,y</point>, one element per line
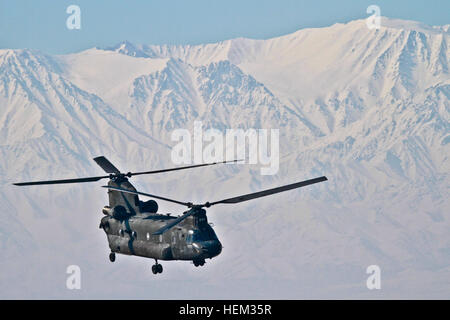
<point>157,268</point>
<point>112,257</point>
<point>199,262</point>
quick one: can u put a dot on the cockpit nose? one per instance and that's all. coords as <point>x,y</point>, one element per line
<point>211,248</point>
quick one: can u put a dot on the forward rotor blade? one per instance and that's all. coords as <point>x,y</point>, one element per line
<point>173,223</point>
<point>187,204</point>
<point>110,168</point>
<point>264,193</point>
<point>77,180</point>
<point>106,165</point>
<point>182,168</point>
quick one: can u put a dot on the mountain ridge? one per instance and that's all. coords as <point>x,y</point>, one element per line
<point>367,108</point>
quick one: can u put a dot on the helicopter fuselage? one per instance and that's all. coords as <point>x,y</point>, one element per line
<point>193,239</point>
<point>134,227</point>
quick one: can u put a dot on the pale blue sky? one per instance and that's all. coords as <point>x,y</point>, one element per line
<point>41,24</point>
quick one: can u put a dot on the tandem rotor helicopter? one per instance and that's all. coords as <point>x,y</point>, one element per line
<point>134,227</point>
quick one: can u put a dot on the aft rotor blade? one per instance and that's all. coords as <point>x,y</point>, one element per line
<point>77,180</point>
<point>173,223</point>
<point>187,204</point>
<point>264,193</point>
<point>106,165</point>
<point>181,168</point>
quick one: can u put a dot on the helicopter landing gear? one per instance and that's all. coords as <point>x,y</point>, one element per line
<point>157,268</point>
<point>112,257</point>
<point>199,262</point>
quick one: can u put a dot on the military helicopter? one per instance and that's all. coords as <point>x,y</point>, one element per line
<point>134,227</point>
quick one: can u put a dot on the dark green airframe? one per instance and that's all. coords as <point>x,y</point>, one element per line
<point>134,227</point>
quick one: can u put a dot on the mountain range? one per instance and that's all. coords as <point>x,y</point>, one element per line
<point>368,108</point>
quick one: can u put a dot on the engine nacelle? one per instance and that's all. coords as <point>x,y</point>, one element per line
<point>118,212</point>
<point>150,206</point>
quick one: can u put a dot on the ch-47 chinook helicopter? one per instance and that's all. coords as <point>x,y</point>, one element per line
<point>134,227</point>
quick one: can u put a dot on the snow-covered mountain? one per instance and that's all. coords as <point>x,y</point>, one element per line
<point>367,108</point>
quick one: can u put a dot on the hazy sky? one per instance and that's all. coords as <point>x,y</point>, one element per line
<point>41,24</point>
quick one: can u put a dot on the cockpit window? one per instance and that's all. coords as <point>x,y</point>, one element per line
<point>201,235</point>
